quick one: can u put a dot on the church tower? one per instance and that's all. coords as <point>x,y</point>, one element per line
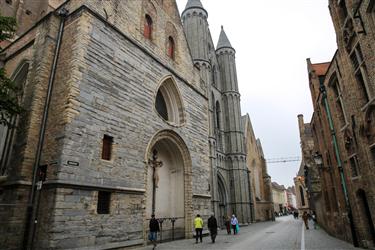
<point>195,24</point>
<point>235,151</point>
<point>229,182</point>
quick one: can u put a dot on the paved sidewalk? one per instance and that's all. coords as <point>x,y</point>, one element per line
<point>284,233</point>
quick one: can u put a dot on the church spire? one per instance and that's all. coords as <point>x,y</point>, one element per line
<point>223,40</point>
<point>193,4</point>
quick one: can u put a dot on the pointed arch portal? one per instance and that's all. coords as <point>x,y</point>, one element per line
<point>170,196</point>
<point>223,209</point>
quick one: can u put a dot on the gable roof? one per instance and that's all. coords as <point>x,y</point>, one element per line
<point>320,68</point>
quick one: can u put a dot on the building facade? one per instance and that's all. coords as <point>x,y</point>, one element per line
<point>291,197</point>
<point>307,179</point>
<point>343,125</point>
<point>260,181</point>
<point>280,199</point>
<point>129,111</point>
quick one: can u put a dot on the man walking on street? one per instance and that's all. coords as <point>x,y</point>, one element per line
<point>154,228</point>
<point>305,218</point>
<point>212,226</point>
<point>234,223</point>
<point>198,225</point>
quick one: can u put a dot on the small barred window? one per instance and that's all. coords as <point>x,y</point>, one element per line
<point>104,202</point>
<point>107,147</point>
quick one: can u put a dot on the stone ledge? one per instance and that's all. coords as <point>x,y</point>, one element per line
<point>113,245</point>
<point>15,183</point>
<point>205,196</point>
<point>62,183</point>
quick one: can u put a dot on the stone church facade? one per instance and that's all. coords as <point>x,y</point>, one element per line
<point>260,182</point>
<point>129,112</point>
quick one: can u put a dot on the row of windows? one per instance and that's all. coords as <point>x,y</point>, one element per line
<point>147,33</point>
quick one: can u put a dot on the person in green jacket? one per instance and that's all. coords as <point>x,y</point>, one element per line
<point>198,225</point>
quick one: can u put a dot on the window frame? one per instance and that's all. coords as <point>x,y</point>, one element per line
<point>359,68</point>
<point>353,164</point>
<point>103,205</point>
<point>107,147</point>
<point>171,50</point>
<point>340,107</point>
<point>148,27</point>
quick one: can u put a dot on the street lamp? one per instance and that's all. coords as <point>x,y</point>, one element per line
<point>318,158</point>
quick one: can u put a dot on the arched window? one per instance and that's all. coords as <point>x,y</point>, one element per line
<point>161,106</point>
<point>218,114</point>
<point>171,47</point>
<point>148,27</point>
<point>168,103</point>
<point>214,75</point>
<point>7,134</point>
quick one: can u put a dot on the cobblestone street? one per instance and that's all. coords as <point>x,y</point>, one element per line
<point>284,233</point>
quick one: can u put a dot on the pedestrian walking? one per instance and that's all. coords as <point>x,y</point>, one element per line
<point>154,229</point>
<point>314,219</point>
<point>227,224</point>
<point>305,218</point>
<point>212,227</point>
<point>295,213</point>
<point>234,223</point>
<point>198,225</point>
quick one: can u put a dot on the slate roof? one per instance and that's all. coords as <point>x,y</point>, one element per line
<point>223,40</point>
<point>194,4</point>
<point>275,185</point>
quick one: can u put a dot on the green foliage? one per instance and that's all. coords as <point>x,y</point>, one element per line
<point>8,99</point>
<point>9,105</point>
<point>7,27</point>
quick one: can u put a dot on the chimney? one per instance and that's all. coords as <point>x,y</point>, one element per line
<point>301,124</point>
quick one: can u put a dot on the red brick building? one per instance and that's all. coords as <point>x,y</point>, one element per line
<point>343,125</point>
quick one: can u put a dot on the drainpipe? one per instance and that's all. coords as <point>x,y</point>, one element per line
<point>33,205</point>
<point>339,163</point>
<point>252,219</point>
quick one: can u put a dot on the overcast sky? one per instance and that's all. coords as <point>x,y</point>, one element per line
<point>272,39</point>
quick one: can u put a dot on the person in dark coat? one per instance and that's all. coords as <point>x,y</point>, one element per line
<point>154,229</point>
<point>212,226</point>
<point>227,224</point>
<point>305,218</point>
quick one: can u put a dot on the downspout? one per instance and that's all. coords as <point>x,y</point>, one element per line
<point>33,205</point>
<point>339,163</point>
<point>252,219</point>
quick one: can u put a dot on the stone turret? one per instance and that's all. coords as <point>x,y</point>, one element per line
<point>232,126</point>
<point>226,57</point>
<point>195,24</point>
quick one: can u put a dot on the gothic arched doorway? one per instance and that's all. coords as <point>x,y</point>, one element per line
<point>366,216</point>
<point>222,201</point>
<point>169,156</point>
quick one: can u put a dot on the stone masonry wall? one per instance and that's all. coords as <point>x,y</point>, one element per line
<point>107,85</point>
<point>35,48</point>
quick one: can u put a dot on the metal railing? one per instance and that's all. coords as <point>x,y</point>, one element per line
<point>167,219</point>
